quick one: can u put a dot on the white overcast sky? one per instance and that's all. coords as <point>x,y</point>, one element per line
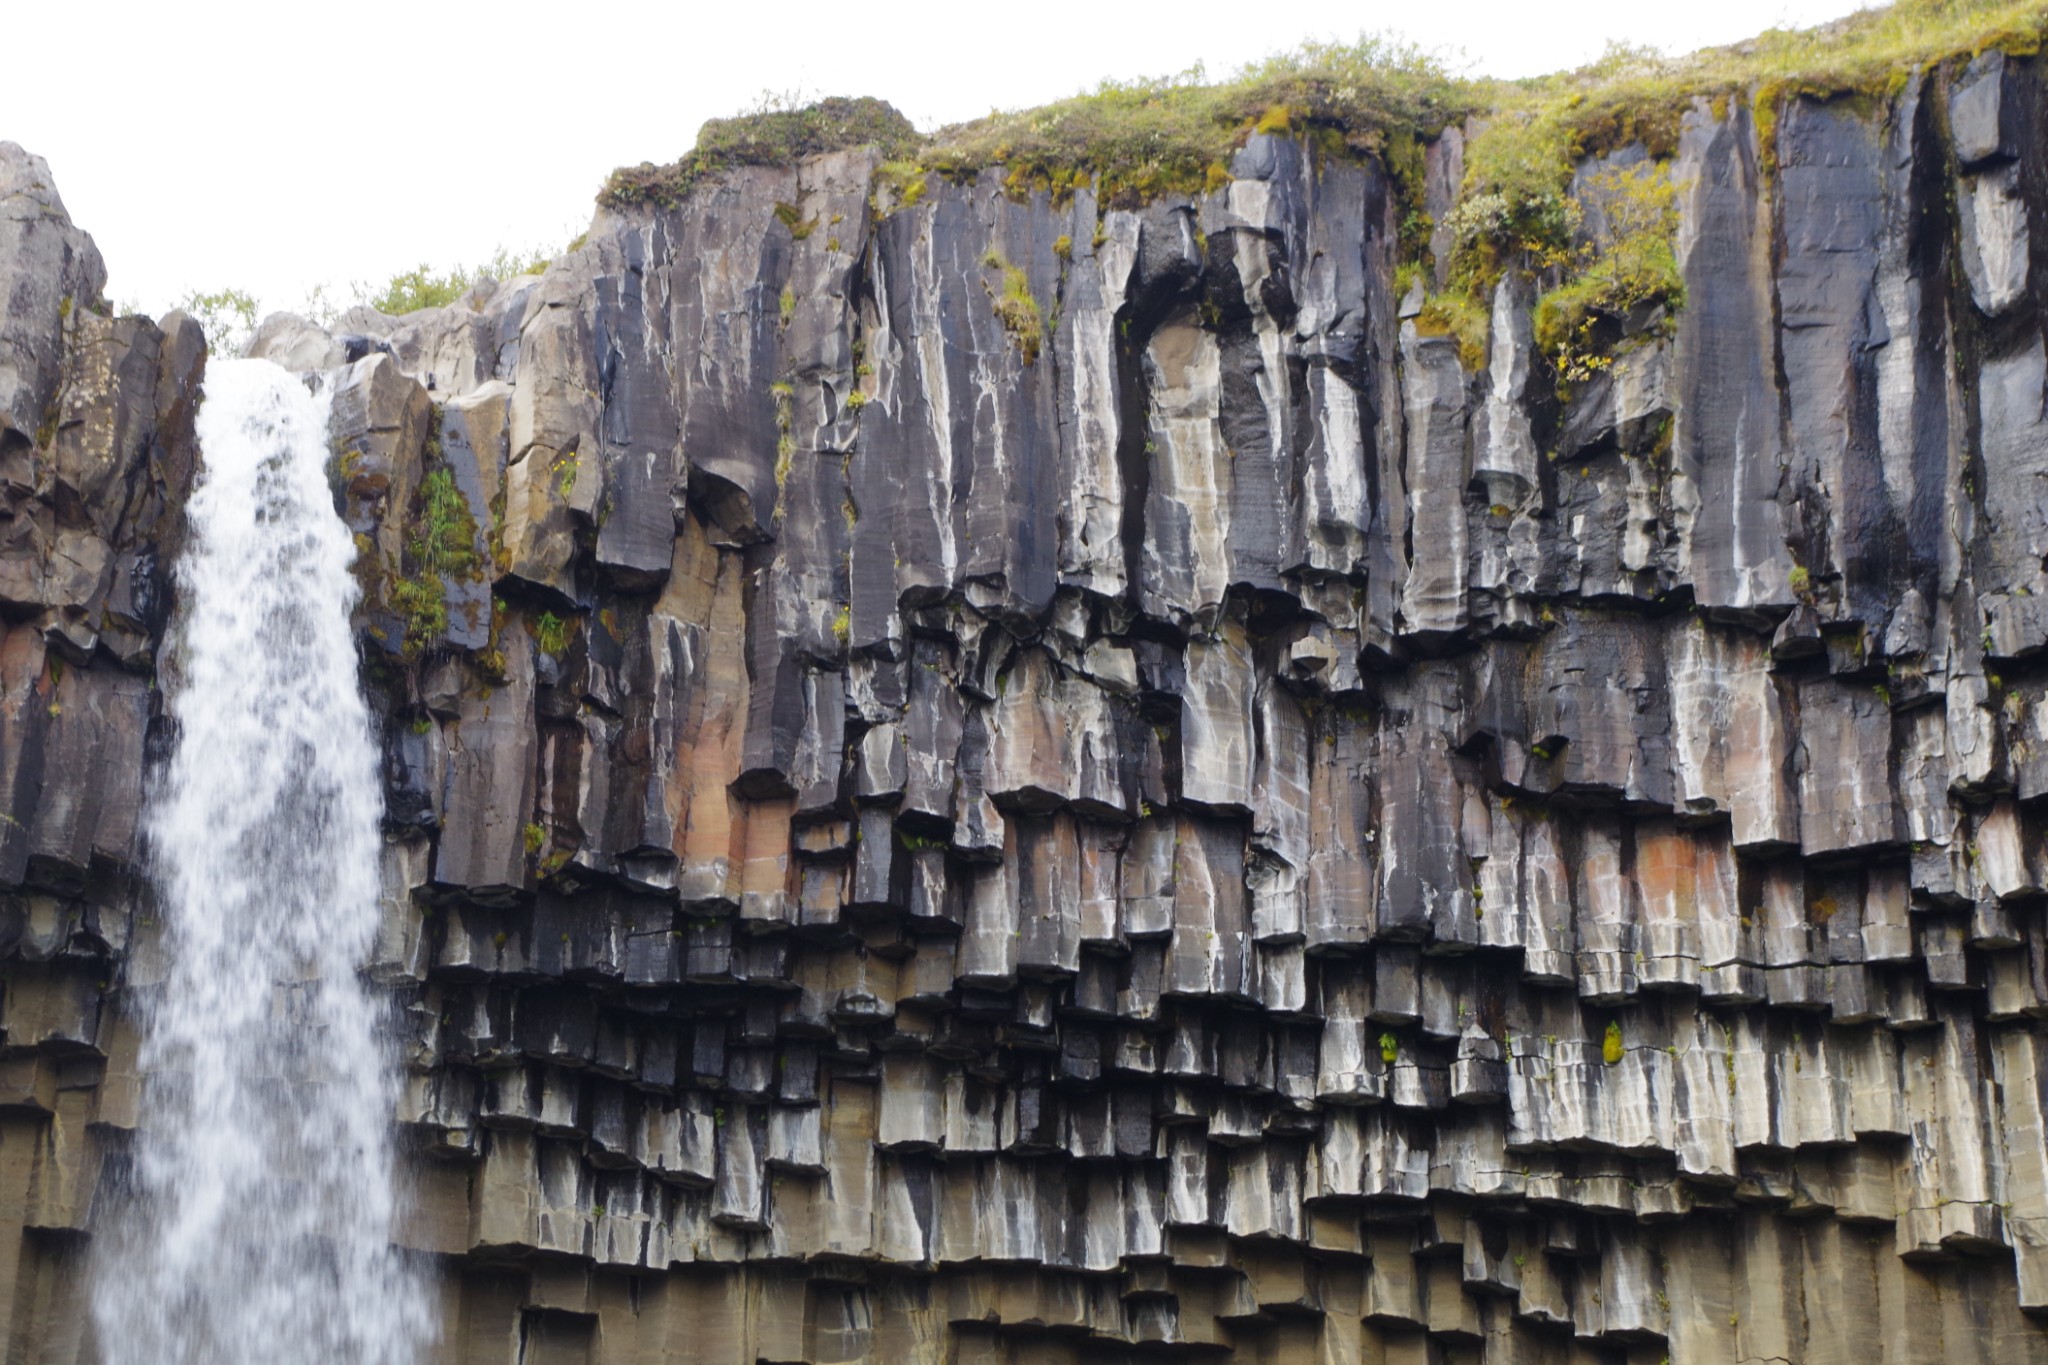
<point>277,145</point>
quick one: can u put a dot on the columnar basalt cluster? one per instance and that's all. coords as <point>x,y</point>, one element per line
<point>975,777</point>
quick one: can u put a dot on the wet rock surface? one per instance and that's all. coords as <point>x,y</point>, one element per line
<point>1001,780</point>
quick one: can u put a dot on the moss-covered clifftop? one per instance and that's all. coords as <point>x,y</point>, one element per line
<point>1533,157</point>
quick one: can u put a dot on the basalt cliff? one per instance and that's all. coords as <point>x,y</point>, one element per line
<point>981,771</point>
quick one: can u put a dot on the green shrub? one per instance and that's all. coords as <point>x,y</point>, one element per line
<point>1636,265</point>
<point>444,536</point>
<point>1515,196</point>
<point>424,287</point>
<point>441,546</point>
<point>227,316</point>
<point>421,603</point>
<point>1018,311</point>
<point>551,633</point>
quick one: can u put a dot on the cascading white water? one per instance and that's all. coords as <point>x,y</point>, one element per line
<point>264,1189</point>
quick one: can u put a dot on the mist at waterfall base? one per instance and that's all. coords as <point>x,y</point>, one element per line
<point>262,1191</point>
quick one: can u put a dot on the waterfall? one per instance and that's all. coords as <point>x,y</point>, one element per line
<point>263,1175</point>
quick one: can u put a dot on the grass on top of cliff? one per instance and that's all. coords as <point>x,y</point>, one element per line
<point>1517,209</point>
<point>1137,139</point>
<point>1132,139</point>
<point>778,132</point>
<point>1638,95</point>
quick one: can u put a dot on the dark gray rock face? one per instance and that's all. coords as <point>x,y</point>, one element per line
<point>1023,781</point>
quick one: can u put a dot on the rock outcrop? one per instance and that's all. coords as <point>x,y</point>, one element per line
<point>984,777</point>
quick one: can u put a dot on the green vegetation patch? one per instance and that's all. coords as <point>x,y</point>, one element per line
<point>425,287</point>
<point>226,316</point>
<point>1018,311</point>
<point>1516,208</point>
<point>1633,95</point>
<point>1134,141</point>
<point>1517,211</point>
<point>778,133</point>
<point>551,633</point>
<point>1137,140</point>
<point>1460,316</point>
<point>1633,268</point>
<point>442,546</point>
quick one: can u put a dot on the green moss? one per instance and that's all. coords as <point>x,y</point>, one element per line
<point>1277,119</point>
<point>785,308</point>
<point>792,217</point>
<point>1610,1045</point>
<point>535,837</point>
<point>842,624</point>
<point>1457,315</point>
<point>440,546</point>
<point>1063,247</point>
<point>776,133</point>
<point>1390,1048</point>
<point>905,182</point>
<point>551,633</point>
<point>421,603</point>
<point>1017,310</point>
